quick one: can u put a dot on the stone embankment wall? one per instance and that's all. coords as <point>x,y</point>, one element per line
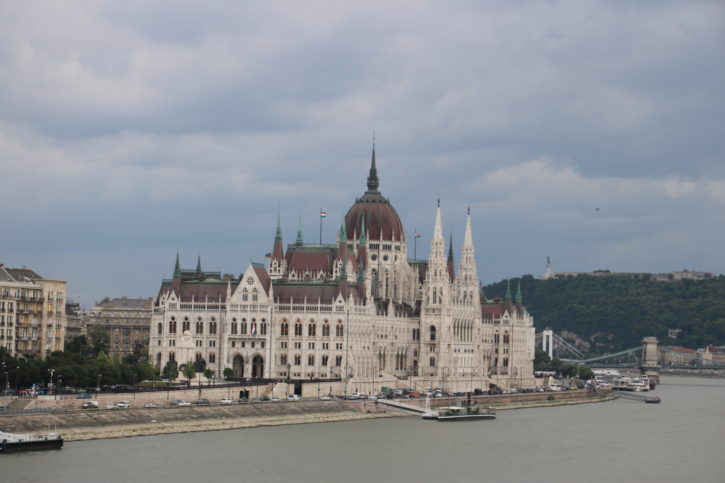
<point>101,423</point>
<point>161,398</point>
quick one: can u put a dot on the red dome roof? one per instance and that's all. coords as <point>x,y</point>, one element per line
<point>379,214</point>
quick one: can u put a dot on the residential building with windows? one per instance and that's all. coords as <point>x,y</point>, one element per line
<point>127,321</point>
<point>32,312</point>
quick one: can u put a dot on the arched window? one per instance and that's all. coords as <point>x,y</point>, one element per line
<point>339,331</point>
<point>310,360</point>
<point>245,295</point>
<point>505,337</point>
<point>243,327</point>
<point>172,326</point>
<point>284,328</point>
<point>326,329</point>
<point>161,328</point>
<point>235,327</point>
<point>298,360</point>
<point>263,328</point>
<point>311,329</point>
<point>432,361</point>
<point>212,358</point>
<point>283,359</point>
<point>432,332</point>
<point>298,328</point>
<point>254,295</point>
<point>185,325</point>
<point>199,326</point>
<point>212,326</point>
<point>172,357</point>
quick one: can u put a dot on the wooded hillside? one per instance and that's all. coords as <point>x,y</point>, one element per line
<point>615,312</point>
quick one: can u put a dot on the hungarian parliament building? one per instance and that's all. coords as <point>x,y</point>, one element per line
<point>359,313</point>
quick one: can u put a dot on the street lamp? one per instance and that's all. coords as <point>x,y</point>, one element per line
<point>60,385</point>
<point>133,385</point>
<point>52,371</point>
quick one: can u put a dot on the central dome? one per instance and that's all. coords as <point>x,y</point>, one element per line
<point>380,218</point>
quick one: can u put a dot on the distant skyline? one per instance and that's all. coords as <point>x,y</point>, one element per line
<point>592,132</point>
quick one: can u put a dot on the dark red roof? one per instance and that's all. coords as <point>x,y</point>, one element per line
<point>379,216</point>
<point>263,277</point>
<point>496,310</point>
<point>301,259</point>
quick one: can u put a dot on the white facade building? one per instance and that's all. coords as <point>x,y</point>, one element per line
<point>360,311</point>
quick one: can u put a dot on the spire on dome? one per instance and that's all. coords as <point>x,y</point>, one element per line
<point>507,298</point>
<point>177,267</point>
<point>373,181</point>
<point>299,232</point>
<point>198,266</point>
<point>450,249</point>
<point>519,298</point>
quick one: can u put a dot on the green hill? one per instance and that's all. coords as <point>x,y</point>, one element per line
<point>615,312</point>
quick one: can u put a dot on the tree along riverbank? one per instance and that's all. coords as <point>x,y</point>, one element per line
<point>78,425</point>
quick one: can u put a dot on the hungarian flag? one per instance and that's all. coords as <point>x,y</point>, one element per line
<point>418,235</point>
<point>323,214</point>
<point>254,328</point>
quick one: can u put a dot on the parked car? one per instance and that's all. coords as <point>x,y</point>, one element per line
<point>293,397</point>
<point>326,398</point>
<point>83,396</point>
<point>123,404</point>
<point>243,400</point>
<point>150,405</point>
<point>202,402</point>
<point>226,400</point>
<point>110,406</point>
<point>181,403</point>
<point>90,405</point>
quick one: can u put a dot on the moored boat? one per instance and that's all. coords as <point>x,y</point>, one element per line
<point>14,443</point>
<point>464,413</point>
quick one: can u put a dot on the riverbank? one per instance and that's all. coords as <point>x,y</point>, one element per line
<point>105,424</point>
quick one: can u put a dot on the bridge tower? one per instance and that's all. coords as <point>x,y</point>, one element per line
<point>650,365</point>
<point>547,342</point>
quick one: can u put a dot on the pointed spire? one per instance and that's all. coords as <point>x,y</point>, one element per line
<point>343,232</point>
<point>373,181</point>
<point>299,231</point>
<point>519,298</point>
<point>451,268</point>
<point>468,237</point>
<point>507,298</point>
<point>177,267</point>
<point>198,266</point>
<point>278,233</point>
<point>438,228</point>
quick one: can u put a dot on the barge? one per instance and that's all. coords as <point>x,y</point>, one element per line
<point>14,443</point>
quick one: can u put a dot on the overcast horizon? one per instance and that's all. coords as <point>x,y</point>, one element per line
<point>591,132</point>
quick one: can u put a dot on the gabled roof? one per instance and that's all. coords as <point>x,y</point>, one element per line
<point>262,276</point>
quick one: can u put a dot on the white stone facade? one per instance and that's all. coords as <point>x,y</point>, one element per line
<point>359,311</point>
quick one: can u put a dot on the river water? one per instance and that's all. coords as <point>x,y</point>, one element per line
<point>680,440</point>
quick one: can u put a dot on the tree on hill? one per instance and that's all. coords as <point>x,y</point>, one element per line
<point>611,313</point>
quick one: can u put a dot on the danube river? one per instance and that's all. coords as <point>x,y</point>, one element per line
<point>680,440</point>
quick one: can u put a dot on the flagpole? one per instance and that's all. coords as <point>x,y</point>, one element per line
<point>320,226</point>
<point>415,244</point>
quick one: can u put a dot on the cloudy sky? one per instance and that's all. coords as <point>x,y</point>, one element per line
<point>131,129</point>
